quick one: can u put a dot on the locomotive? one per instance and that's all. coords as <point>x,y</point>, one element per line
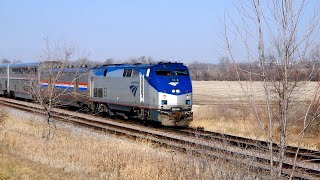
<point>159,92</point>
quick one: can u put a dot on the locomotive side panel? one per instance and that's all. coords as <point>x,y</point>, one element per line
<point>119,93</point>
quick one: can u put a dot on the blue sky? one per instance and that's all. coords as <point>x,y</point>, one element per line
<point>177,30</point>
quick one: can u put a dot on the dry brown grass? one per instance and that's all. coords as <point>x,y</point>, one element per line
<point>3,115</point>
<point>227,119</point>
<point>98,156</point>
<point>14,167</point>
<point>239,121</point>
<point>229,92</point>
<point>223,106</point>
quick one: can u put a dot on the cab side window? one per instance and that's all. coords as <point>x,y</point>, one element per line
<point>127,72</point>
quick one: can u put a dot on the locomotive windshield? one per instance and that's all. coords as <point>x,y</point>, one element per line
<point>176,72</point>
<point>163,73</point>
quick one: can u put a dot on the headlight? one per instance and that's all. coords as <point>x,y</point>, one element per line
<point>164,97</point>
<point>178,91</point>
<point>173,91</point>
<point>188,97</point>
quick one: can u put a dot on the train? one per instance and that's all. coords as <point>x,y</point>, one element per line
<point>160,92</point>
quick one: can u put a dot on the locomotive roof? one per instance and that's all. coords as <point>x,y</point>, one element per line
<point>138,65</point>
<point>101,71</point>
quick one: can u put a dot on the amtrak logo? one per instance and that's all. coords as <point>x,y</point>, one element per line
<point>173,83</point>
<point>133,89</point>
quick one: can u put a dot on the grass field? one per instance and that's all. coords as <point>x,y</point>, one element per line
<point>223,106</point>
<point>235,92</point>
<point>77,153</point>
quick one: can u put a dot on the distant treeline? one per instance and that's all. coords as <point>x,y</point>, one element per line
<point>225,70</point>
<point>253,71</point>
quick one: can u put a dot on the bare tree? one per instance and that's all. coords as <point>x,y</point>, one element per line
<point>45,84</point>
<point>83,61</point>
<point>109,61</point>
<point>225,65</point>
<point>5,61</point>
<point>16,61</point>
<point>286,29</point>
<point>141,59</point>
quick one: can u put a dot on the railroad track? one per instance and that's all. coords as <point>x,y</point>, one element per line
<point>303,154</point>
<point>250,152</point>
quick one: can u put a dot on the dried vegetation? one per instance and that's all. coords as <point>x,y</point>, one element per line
<point>224,107</point>
<point>3,116</point>
<point>88,154</point>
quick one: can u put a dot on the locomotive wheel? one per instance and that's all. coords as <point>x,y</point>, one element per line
<point>156,124</point>
<point>111,114</point>
<point>105,114</point>
<point>5,93</point>
<point>11,94</point>
<point>145,122</point>
<point>84,108</point>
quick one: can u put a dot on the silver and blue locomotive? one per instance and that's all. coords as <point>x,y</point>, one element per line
<point>150,92</point>
<point>157,92</point>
